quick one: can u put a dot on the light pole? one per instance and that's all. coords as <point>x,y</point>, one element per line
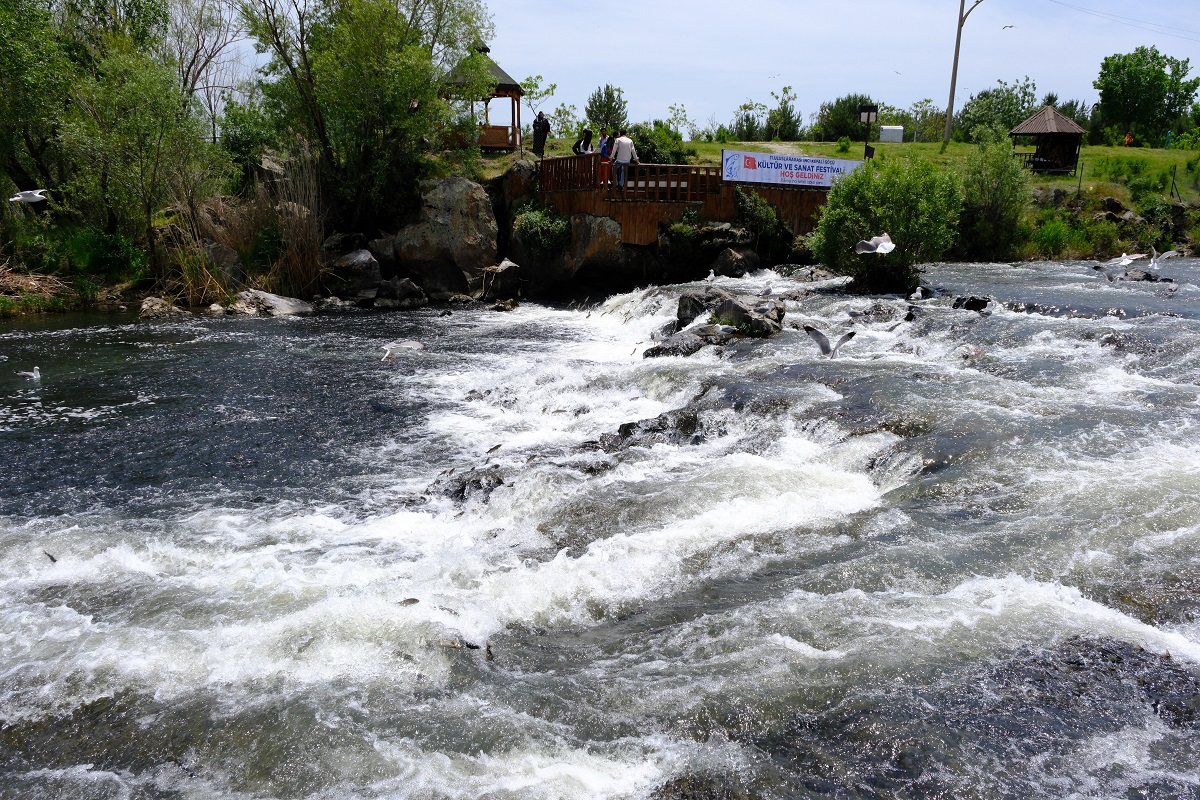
<point>954,71</point>
<point>867,115</point>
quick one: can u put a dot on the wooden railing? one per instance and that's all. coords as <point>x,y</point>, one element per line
<point>644,182</point>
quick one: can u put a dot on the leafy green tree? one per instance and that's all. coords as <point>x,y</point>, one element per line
<point>131,131</point>
<point>536,93</point>
<point>1005,105</point>
<point>1145,92</point>
<point>783,122</point>
<point>659,143</point>
<point>606,108</point>
<point>995,197</point>
<point>840,118</point>
<point>359,80</point>
<point>565,121</point>
<point>907,198</point>
<point>748,124</point>
<point>680,121</point>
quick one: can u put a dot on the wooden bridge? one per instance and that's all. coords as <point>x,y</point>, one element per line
<point>656,193</point>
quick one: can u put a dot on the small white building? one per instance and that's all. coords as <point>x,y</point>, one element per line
<point>891,133</point>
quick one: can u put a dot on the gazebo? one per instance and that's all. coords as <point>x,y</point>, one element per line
<point>498,137</point>
<point>1057,141</point>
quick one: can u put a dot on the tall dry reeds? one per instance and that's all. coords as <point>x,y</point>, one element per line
<point>276,234</point>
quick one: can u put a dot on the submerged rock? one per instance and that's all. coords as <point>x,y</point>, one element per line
<point>474,484</point>
<point>674,427</point>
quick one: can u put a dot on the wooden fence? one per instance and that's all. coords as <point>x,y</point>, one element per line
<point>656,193</point>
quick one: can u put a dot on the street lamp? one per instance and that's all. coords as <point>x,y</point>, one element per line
<point>867,115</point>
<point>954,70</point>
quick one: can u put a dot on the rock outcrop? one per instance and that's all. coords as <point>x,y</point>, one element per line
<point>445,251</point>
<point>400,294</point>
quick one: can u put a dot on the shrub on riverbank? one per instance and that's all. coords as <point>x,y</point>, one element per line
<point>995,198</point>
<point>907,198</point>
<point>544,233</point>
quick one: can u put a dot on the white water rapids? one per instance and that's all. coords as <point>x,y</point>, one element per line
<point>248,559</point>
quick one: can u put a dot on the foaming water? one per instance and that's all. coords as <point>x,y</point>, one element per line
<point>250,559</point>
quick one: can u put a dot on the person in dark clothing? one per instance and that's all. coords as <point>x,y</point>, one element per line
<point>541,129</point>
<point>583,147</point>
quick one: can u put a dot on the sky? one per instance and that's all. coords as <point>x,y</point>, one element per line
<point>714,56</point>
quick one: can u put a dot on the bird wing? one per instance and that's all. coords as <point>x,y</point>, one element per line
<point>841,342</point>
<point>820,338</point>
<point>864,246</point>
<point>1168,254</point>
<point>884,244</point>
<point>1112,275</point>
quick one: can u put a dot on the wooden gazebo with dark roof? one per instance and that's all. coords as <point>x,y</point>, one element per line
<point>1057,140</point>
<point>498,137</point>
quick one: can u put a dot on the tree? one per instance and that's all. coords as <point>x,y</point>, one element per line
<point>680,121</point>
<point>995,196</point>
<point>840,118</point>
<point>907,198</point>
<point>1006,106</point>
<point>606,108</point>
<point>747,124</point>
<point>565,121</point>
<point>783,122</point>
<point>535,94</point>
<point>200,40</point>
<point>1145,92</point>
<point>659,143</point>
<point>359,81</point>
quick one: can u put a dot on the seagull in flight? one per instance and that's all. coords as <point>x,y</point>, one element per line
<point>1124,260</point>
<point>876,244</point>
<point>36,375</point>
<point>823,341</point>
<point>390,350</point>
<point>29,196</point>
<point>1156,258</point>
<point>1112,274</point>
<point>1006,27</point>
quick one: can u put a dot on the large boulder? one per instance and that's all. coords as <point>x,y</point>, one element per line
<point>502,281</point>
<point>255,302</point>
<point>755,316</point>
<point>400,294</point>
<point>154,308</point>
<point>454,238</point>
<point>735,262</point>
<point>694,302</point>
<point>355,276</point>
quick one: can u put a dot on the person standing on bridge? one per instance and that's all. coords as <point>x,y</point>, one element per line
<point>624,154</point>
<point>541,129</point>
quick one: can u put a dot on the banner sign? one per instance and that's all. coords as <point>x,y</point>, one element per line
<point>783,170</point>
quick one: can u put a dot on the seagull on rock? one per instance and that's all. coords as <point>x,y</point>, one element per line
<point>823,341</point>
<point>879,245</point>
<point>29,196</point>
<point>36,375</point>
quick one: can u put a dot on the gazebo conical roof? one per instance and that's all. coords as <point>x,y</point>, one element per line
<point>1048,120</point>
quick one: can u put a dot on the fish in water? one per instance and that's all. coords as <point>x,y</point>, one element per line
<point>53,560</point>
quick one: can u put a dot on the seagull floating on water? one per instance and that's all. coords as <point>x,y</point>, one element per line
<point>29,196</point>
<point>390,350</point>
<point>36,375</point>
<point>712,276</point>
<point>823,341</point>
<point>876,244</point>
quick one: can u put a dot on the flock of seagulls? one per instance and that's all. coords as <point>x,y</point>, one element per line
<point>1114,268</point>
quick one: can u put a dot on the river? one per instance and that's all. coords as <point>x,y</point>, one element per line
<point>247,558</point>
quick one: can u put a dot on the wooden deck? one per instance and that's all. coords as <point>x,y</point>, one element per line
<point>657,193</point>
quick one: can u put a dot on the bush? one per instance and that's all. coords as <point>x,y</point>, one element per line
<point>759,217</point>
<point>543,232</point>
<point>1050,239</point>
<point>995,196</point>
<point>911,200</point>
<point>659,143</point>
<point>844,144</point>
